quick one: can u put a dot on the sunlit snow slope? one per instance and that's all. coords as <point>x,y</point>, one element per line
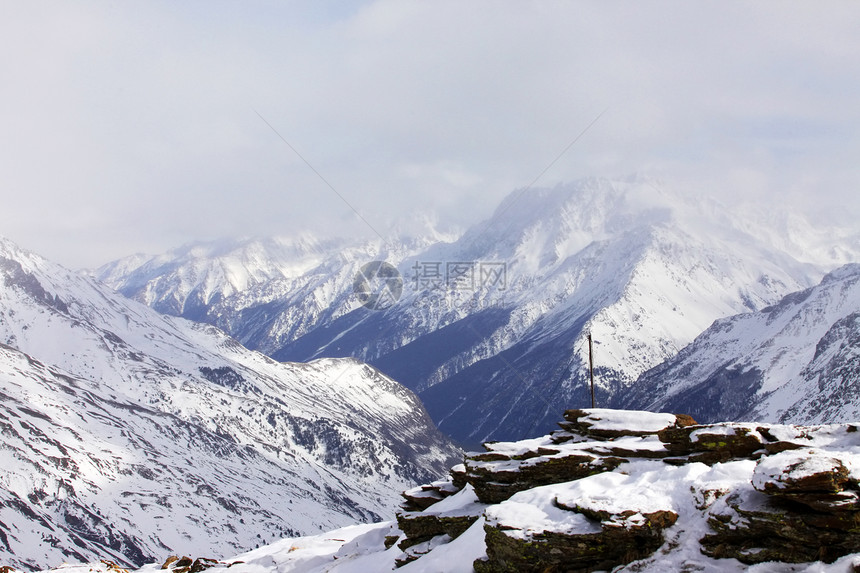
<point>131,435</point>
<point>797,361</point>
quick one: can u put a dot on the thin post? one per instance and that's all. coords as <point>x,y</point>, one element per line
<point>591,368</point>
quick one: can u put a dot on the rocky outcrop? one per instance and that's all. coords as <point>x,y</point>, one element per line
<point>604,424</point>
<point>496,477</point>
<point>423,496</point>
<point>185,564</point>
<point>589,497</point>
<point>552,551</point>
<point>803,507</point>
<point>590,442</point>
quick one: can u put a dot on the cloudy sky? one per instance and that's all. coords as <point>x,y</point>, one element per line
<point>138,126</point>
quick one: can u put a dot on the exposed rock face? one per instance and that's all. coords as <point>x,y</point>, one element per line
<point>497,477</point>
<point>552,551</point>
<point>176,564</point>
<point>604,424</point>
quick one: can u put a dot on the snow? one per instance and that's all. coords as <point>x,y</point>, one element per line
<point>793,465</point>
<point>618,420</point>
<point>615,493</point>
<point>727,430</point>
<point>533,513</point>
<point>464,502</point>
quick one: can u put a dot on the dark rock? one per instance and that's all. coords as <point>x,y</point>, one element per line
<point>458,476</point>
<point>802,474</point>
<point>625,450</point>
<point>414,552</point>
<point>424,496</point>
<point>713,443</point>
<point>552,551</point>
<point>201,564</point>
<point>182,565</point>
<point>419,528</point>
<point>659,519</point>
<point>826,502</point>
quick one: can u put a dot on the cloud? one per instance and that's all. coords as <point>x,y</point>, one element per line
<point>133,127</point>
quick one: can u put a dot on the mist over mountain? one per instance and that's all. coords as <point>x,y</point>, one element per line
<point>130,435</point>
<point>490,329</point>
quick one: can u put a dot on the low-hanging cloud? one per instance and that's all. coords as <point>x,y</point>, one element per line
<point>134,127</point>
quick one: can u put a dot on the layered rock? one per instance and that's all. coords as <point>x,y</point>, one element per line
<point>437,525</point>
<point>608,488</point>
<point>574,532</point>
<point>804,507</point>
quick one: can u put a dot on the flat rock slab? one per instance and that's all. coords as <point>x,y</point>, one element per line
<point>606,424</point>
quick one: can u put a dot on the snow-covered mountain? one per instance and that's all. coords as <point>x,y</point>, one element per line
<point>188,280</point>
<point>129,435</point>
<point>491,329</point>
<point>797,361</point>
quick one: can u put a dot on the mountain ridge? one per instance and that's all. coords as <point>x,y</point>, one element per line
<point>794,360</point>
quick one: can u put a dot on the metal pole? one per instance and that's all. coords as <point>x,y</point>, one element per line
<point>591,368</point>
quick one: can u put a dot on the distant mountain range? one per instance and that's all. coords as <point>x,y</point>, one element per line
<point>490,329</point>
<point>130,435</point>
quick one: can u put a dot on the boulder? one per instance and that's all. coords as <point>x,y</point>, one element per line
<point>419,528</point>
<point>586,539</point>
<point>800,471</point>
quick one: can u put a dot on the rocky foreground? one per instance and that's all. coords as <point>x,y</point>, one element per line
<point>612,490</point>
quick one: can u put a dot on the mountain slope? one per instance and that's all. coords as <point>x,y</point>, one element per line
<point>132,435</point>
<point>491,328</point>
<point>797,361</point>
<point>186,281</point>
